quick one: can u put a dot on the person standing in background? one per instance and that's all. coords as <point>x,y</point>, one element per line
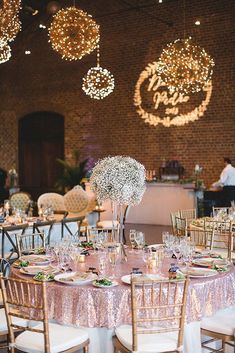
<point>4,193</point>
<point>227,182</point>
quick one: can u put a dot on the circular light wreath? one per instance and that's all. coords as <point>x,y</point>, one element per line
<point>178,120</point>
<point>185,67</point>
<point>98,83</point>
<point>73,33</point>
<point>5,52</point>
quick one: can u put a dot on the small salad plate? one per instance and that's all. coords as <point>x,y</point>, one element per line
<point>104,283</point>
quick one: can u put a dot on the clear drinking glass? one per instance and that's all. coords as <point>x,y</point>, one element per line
<point>7,207</point>
<point>112,256</point>
<point>140,240</point>
<point>102,262</point>
<point>132,236</point>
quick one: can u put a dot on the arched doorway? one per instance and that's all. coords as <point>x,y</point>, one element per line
<point>41,142</point>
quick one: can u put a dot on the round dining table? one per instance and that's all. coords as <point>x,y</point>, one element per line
<point>101,310</point>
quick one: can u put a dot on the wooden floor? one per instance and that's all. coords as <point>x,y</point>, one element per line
<point>153,233</point>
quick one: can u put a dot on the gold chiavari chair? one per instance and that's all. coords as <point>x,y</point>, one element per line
<point>27,300</point>
<point>180,227</point>
<point>30,242</point>
<point>173,222</point>
<point>4,270</point>
<point>222,237</point>
<point>158,317</point>
<point>201,237</point>
<point>189,214</point>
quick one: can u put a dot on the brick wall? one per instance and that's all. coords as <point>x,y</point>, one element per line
<point>129,41</point>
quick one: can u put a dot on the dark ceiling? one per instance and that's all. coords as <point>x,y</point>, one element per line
<point>33,10</point>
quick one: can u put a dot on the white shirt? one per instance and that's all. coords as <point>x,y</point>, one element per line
<point>227,177</point>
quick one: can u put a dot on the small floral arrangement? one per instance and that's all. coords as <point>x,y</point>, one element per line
<point>13,177</point>
<point>120,179</point>
<point>199,184</point>
<point>197,169</point>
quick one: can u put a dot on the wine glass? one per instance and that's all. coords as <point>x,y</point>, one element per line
<point>112,256</point>
<point>140,240</point>
<point>6,207</point>
<point>147,254</point>
<point>176,248</point>
<point>102,261</point>
<point>132,236</point>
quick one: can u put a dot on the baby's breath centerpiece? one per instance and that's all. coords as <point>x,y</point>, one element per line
<point>119,179</point>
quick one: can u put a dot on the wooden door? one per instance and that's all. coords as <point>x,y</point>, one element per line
<point>41,142</point>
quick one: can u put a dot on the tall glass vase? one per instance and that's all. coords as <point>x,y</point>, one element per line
<point>117,219</point>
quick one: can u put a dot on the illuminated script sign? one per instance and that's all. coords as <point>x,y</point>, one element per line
<point>157,105</point>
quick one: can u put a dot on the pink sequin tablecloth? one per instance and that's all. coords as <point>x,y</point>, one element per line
<point>110,307</point>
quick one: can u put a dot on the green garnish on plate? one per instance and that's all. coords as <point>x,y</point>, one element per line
<point>40,276</point>
<point>86,244</point>
<point>103,282</point>
<point>220,268</point>
<point>23,263</point>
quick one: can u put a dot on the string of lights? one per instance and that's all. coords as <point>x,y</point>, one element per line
<point>10,25</point>
<point>98,82</point>
<point>185,67</point>
<point>73,33</point>
<point>5,52</point>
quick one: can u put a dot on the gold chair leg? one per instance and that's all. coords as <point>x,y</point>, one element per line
<point>85,349</point>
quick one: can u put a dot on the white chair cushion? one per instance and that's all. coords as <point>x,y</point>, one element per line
<point>148,343</point>
<point>222,322</point>
<point>61,338</point>
<point>107,224</point>
<point>16,321</point>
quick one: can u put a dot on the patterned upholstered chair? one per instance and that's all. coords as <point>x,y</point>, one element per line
<point>20,200</point>
<point>56,201</point>
<point>76,200</point>
<point>79,201</point>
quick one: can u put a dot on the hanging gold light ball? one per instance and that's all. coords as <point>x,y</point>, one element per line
<point>185,67</point>
<point>73,33</point>
<point>10,24</point>
<point>98,83</point>
<point>5,52</point>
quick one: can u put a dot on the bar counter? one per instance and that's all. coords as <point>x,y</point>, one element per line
<point>159,200</point>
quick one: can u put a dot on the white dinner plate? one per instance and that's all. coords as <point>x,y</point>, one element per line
<point>36,259</point>
<point>98,285</point>
<point>208,262</point>
<point>75,278</point>
<point>195,272</point>
<point>33,270</point>
<point>127,279</point>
